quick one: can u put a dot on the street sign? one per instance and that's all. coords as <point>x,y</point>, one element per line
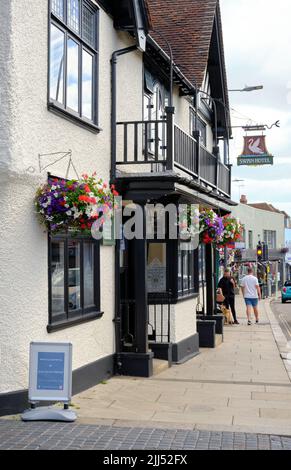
<point>255,152</point>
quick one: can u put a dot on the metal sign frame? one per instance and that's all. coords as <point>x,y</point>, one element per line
<point>50,353</point>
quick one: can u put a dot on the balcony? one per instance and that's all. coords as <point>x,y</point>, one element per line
<point>160,146</point>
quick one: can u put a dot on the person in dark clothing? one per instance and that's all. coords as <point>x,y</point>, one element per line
<point>227,285</point>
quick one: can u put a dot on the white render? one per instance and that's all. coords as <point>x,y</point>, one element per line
<point>28,129</point>
<point>258,220</point>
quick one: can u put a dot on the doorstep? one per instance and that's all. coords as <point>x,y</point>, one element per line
<point>159,366</point>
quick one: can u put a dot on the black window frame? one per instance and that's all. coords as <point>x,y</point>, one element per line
<point>192,271</point>
<point>172,294</point>
<point>201,264</point>
<point>69,33</point>
<point>71,318</point>
<point>201,126</point>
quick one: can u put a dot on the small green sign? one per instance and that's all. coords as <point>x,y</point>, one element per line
<point>108,238</point>
<point>250,160</point>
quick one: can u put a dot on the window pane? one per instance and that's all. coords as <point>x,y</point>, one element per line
<point>57,278</point>
<point>88,275</point>
<point>191,270</point>
<point>179,269</point>
<point>88,29</point>
<point>74,14</point>
<point>73,75</point>
<point>185,271</point>
<point>87,85</point>
<point>74,276</point>
<point>57,64</point>
<point>58,8</point>
<point>157,268</point>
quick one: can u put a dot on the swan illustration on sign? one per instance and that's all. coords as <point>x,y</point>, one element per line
<point>254,146</point>
<point>255,152</point>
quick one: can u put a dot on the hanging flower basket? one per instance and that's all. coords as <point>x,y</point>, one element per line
<point>74,205</point>
<point>211,227</point>
<point>232,232</point>
<point>220,231</point>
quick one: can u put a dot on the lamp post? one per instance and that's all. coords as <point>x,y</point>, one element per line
<point>249,88</point>
<point>240,185</point>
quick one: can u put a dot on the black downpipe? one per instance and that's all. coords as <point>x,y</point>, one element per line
<point>117,317</point>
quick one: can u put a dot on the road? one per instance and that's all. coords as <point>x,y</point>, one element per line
<point>57,436</point>
<point>283,315</point>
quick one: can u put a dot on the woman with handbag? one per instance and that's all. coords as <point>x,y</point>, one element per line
<point>227,286</point>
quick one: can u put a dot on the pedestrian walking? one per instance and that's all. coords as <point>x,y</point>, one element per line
<point>252,294</point>
<point>227,285</point>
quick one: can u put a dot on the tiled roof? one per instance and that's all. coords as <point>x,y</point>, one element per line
<point>188,26</point>
<point>264,206</point>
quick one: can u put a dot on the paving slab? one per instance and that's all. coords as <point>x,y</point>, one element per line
<point>243,384</point>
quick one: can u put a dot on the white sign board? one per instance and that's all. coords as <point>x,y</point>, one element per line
<point>50,372</point>
<point>156,277</point>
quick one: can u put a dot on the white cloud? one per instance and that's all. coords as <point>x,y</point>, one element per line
<point>257,38</point>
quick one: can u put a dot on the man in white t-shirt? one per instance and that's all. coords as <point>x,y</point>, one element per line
<point>252,293</point>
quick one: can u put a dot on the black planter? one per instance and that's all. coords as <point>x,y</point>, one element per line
<point>206,331</point>
<point>219,322</point>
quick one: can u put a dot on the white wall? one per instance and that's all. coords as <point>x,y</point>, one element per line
<point>257,220</point>
<point>185,320</point>
<point>27,128</point>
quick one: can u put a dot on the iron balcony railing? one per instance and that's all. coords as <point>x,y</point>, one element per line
<point>164,146</point>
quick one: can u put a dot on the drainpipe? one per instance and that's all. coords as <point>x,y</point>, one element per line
<point>114,61</point>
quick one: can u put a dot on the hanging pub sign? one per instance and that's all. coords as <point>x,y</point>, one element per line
<point>255,152</point>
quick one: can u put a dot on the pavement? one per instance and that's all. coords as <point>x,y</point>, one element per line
<point>235,396</point>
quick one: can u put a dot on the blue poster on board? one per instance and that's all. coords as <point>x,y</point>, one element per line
<point>50,371</point>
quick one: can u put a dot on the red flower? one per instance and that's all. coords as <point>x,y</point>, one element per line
<point>83,226</point>
<point>87,189</point>
<point>207,239</point>
<point>84,198</point>
<point>115,193</point>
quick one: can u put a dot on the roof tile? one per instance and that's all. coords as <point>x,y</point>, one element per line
<point>188,26</point>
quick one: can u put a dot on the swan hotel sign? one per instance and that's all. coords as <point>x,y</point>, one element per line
<point>255,152</point>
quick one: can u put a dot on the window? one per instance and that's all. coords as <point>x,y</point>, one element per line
<point>187,269</point>
<point>201,264</point>
<point>73,279</point>
<point>201,126</point>
<point>74,58</point>
<point>157,268</point>
<point>251,240</point>
<point>270,238</point>
<point>155,102</point>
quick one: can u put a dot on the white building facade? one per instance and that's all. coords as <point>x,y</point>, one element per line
<point>56,103</point>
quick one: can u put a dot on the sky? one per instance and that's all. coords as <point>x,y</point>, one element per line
<point>257,38</point>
